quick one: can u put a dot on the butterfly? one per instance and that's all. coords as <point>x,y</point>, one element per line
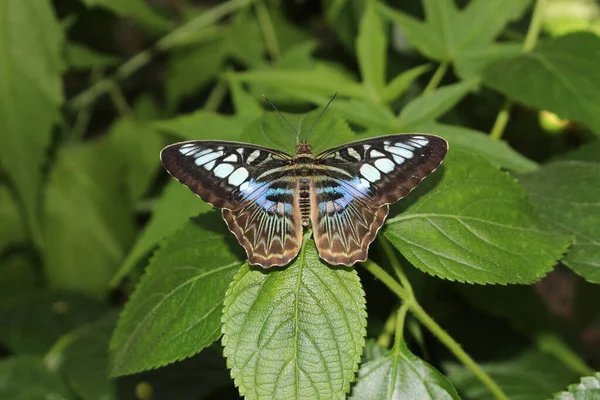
<point>267,197</point>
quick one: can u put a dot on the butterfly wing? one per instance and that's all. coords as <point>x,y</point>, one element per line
<point>252,185</point>
<point>355,183</point>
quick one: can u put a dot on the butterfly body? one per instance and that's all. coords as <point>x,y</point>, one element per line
<point>267,197</point>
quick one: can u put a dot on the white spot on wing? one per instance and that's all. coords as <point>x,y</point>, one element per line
<point>210,165</point>
<point>397,159</point>
<point>238,176</point>
<point>203,159</point>
<point>244,186</point>
<point>375,153</point>
<point>353,153</point>
<point>399,151</point>
<point>365,183</point>
<point>253,156</point>
<point>370,172</point>
<point>385,165</point>
<point>231,158</point>
<point>222,170</point>
<point>240,150</point>
<point>420,142</point>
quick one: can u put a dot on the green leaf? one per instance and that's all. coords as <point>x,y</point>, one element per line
<point>272,130</point>
<point>88,218</point>
<point>138,146</point>
<point>472,63</point>
<point>12,230</point>
<point>496,152</point>
<point>192,67</point>
<point>202,125</point>
<point>32,325</point>
<point>530,376</point>
<point>30,95</point>
<point>475,226</point>
<point>371,49</point>
<point>401,375</point>
<point>246,106</point>
<point>559,76</point>
<point>79,56</point>
<point>587,389</point>
<point>175,206</point>
<point>449,32</point>
<point>26,378</point>
<point>136,9</point>
<point>587,152</point>
<point>175,310</point>
<point>402,82</point>
<point>18,279</point>
<point>565,194</point>
<point>295,332</point>
<point>375,117</point>
<point>245,42</point>
<point>429,106</point>
<point>81,356</point>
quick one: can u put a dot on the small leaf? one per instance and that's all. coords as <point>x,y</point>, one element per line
<point>429,106</point>
<point>202,125</point>
<point>564,78</point>
<point>88,218</point>
<point>175,310</point>
<point>587,389</point>
<point>371,48</point>
<point>401,375</point>
<point>565,194</point>
<point>79,56</point>
<point>295,332</point>
<point>175,206</point>
<point>30,95</point>
<point>402,81</point>
<point>475,226</point>
<point>27,378</point>
<point>32,325</point>
<point>137,9</point>
<point>81,356</point>
<point>530,376</point>
<point>272,130</point>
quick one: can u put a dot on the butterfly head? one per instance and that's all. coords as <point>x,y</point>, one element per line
<point>303,149</point>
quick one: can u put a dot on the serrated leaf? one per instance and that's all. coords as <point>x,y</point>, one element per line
<point>81,356</point>
<point>530,376</point>
<point>79,56</point>
<point>475,226</point>
<point>175,206</point>
<point>397,86</point>
<point>30,95</point>
<point>272,130</point>
<point>401,375</point>
<point>175,310</point>
<point>427,107</point>
<point>559,76</point>
<point>27,378</point>
<point>202,125</point>
<point>448,32</point>
<point>495,151</point>
<point>587,389</point>
<point>371,48</point>
<point>137,9</point>
<point>32,325</point>
<point>296,332</point>
<point>88,218</point>
<point>565,194</point>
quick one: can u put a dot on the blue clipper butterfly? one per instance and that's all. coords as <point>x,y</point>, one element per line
<point>268,196</point>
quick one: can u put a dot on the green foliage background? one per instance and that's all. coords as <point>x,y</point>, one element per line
<point>117,283</point>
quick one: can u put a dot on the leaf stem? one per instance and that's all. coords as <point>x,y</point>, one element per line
<point>119,101</point>
<point>437,77</point>
<point>434,328</point>
<point>400,320</point>
<point>268,30</point>
<point>551,344</point>
<point>142,58</point>
<point>389,328</point>
<point>533,32</point>
<point>216,96</point>
<point>389,251</point>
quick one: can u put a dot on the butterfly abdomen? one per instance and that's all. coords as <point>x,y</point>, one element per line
<point>304,194</point>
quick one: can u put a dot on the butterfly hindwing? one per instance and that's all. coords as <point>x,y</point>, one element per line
<point>254,187</point>
<point>354,184</point>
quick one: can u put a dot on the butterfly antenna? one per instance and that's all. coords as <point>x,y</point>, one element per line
<point>281,115</point>
<point>322,112</point>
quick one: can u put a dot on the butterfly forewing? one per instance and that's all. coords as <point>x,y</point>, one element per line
<point>254,187</point>
<point>354,184</point>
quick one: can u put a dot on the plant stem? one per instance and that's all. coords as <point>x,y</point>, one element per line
<point>550,343</point>
<point>84,115</point>
<point>437,77</point>
<point>389,328</point>
<point>118,99</point>
<point>216,96</point>
<point>400,320</point>
<point>169,41</point>
<point>533,32</point>
<point>268,31</point>
<point>434,328</point>
<point>389,251</point>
